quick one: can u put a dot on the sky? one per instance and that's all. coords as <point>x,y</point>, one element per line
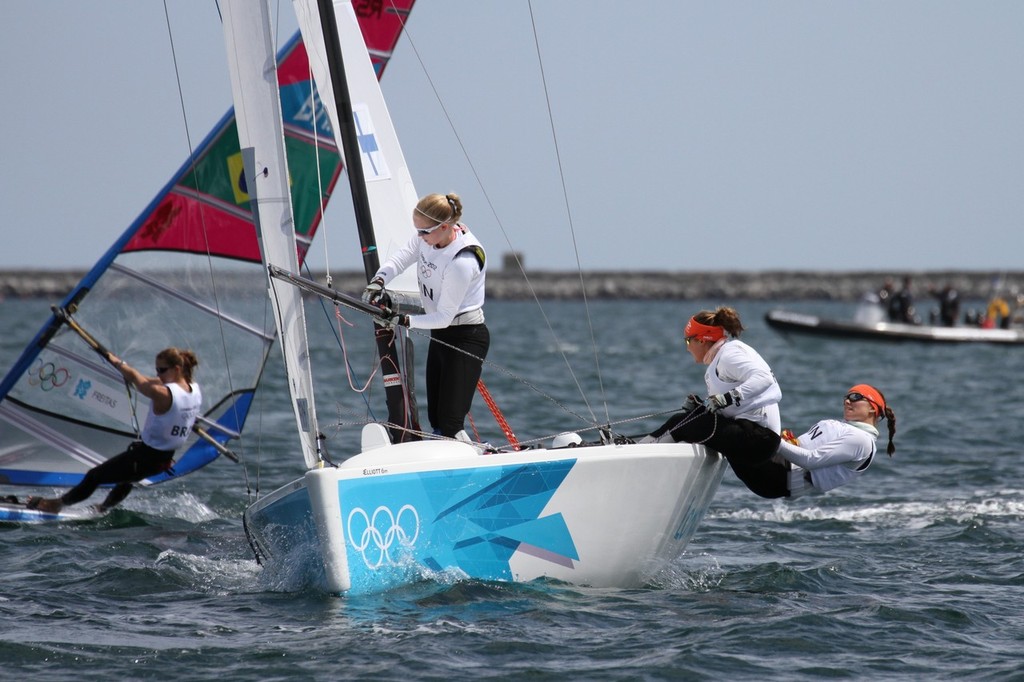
<point>607,135</point>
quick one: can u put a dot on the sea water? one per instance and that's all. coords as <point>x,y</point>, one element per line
<point>915,571</point>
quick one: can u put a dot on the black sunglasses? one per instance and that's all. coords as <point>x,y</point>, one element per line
<point>854,397</point>
<point>161,370</point>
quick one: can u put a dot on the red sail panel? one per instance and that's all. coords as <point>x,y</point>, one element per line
<point>382,22</point>
<point>206,210</point>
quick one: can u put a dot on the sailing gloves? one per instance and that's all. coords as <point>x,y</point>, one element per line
<point>716,402</point>
<point>391,321</point>
<point>374,291</point>
<point>691,403</point>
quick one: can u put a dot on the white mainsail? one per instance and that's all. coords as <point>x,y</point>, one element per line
<point>392,195</point>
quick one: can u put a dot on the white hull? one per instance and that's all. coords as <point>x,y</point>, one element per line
<point>603,515</point>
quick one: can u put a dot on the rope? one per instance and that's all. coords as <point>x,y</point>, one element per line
<point>498,416</point>
<point>515,441</point>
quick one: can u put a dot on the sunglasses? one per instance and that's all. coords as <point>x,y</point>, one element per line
<point>855,397</point>
<point>427,230</point>
<point>161,370</point>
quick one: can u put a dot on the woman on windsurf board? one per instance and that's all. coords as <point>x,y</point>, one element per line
<point>175,404</point>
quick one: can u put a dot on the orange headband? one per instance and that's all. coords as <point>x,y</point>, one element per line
<point>703,332</point>
<point>873,395</point>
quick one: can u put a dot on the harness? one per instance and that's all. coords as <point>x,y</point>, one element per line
<point>866,463</point>
<point>477,251</point>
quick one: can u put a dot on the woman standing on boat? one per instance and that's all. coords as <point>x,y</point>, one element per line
<point>452,269</point>
<point>740,417</point>
<point>830,454</point>
<point>175,404</point>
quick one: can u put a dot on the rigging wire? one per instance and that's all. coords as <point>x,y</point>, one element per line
<point>202,214</point>
<point>568,212</point>
<point>490,204</point>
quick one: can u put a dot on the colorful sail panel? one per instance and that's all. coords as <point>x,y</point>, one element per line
<point>186,273</point>
<point>381,22</point>
<point>207,208</point>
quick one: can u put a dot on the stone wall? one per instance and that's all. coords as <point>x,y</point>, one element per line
<point>720,286</point>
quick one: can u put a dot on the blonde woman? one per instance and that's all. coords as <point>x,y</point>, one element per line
<point>451,270</point>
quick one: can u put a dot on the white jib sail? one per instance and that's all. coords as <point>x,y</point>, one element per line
<point>250,51</point>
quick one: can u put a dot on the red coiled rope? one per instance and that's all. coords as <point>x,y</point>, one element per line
<point>498,416</point>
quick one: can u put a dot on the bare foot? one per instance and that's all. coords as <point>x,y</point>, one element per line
<point>52,505</point>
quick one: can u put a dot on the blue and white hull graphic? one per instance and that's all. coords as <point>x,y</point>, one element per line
<point>603,515</point>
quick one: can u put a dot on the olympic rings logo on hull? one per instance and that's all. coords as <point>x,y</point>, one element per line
<point>47,376</point>
<point>377,536</point>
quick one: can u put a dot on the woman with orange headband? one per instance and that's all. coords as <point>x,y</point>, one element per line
<point>830,454</point>
<point>741,413</point>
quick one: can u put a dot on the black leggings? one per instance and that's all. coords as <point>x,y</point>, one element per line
<point>139,461</point>
<point>748,447</point>
<point>452,374</point>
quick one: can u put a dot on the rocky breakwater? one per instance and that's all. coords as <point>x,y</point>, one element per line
<point>719,286</point>
<point>727,286</point>
<point>53,284</point>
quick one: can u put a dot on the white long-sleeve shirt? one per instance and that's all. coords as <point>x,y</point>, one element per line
<point>451,279</point>
<point>738,367</point>
<point>833,452</point>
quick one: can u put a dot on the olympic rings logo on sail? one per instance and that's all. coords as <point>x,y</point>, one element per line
<point>383,531</point>
<point>48,376</point>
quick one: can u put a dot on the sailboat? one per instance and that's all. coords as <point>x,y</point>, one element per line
<point>611,513</point>
<point>187,272</point>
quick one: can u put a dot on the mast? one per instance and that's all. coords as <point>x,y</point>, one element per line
<point>386,348</point>
<point>350,145</point>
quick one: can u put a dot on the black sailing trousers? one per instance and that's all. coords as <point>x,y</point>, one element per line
<point>452,374</point>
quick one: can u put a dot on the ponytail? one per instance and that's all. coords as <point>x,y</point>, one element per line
<point>890,417</point>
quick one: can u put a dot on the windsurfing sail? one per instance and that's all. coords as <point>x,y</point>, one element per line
<point>186,273</point>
